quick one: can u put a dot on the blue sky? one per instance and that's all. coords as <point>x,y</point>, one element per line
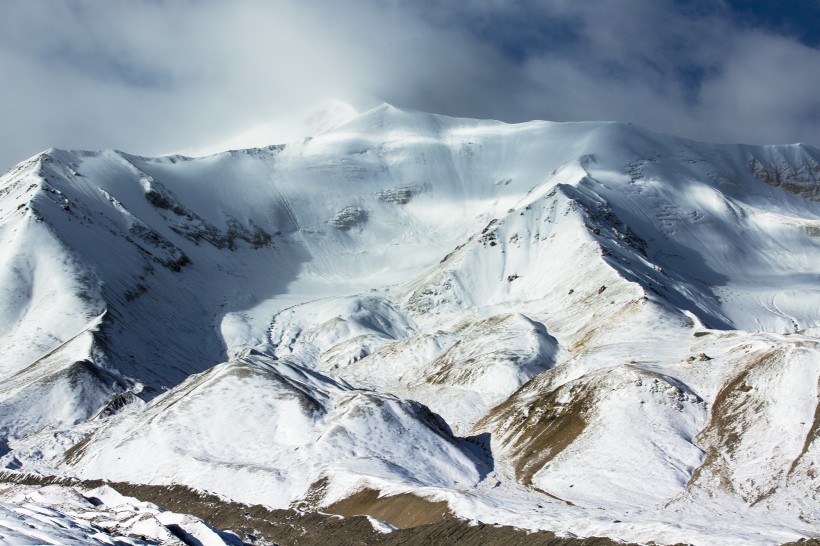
<point>156,76</point>
<point>797,18</point>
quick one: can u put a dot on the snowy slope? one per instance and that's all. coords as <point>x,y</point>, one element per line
<point>68,516</point>
<point>542,324</point>
<point>264,432</point>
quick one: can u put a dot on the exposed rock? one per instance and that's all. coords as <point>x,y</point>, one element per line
<point>349,217</point>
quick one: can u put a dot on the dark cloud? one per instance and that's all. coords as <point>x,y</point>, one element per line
<point>154,76</point>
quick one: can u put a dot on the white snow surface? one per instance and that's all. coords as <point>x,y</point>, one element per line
<point>583,327</point>
<point>70,516</point>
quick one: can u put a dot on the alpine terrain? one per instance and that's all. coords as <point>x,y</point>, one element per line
<point>586,328</point>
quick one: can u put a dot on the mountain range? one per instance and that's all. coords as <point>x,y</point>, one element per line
<point>587,328</point>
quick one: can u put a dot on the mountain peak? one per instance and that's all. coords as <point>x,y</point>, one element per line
<point>306,122</point>
<point>584,323</point>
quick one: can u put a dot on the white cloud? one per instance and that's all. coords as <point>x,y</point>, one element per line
<point>155,76</point>
<point>766,91</point>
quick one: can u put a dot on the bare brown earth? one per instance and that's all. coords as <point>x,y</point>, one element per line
<point>536,433</point>
<point>403,511</point>
<point>258,525</point>
<point>736,405</point>
<point>722,434</point>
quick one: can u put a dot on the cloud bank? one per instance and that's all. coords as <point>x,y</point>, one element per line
<point>155,76</point>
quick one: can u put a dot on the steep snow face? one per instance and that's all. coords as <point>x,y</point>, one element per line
<point>736,252</point>
<point>589,319</point>
<point>48,296</point>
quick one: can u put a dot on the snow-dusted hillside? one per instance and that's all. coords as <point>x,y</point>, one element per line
<point>584,327</point>
<point>100,516</point>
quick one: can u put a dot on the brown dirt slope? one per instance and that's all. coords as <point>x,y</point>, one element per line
<point>403,511</point>
<point>535,433</point>
<point>288,527</point>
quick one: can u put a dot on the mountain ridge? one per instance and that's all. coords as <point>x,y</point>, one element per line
<point>562,299</point>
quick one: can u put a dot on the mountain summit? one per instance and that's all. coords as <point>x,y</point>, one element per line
<point>582,327</point>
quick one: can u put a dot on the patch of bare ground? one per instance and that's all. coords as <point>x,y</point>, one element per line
<point>591,333</point>
<point>260,525</point>
<point>736,406</point>
<point>811,437</point>
<point>534,433</point>
<point>403,511</point>
<point>257,524</point>
<point>721,437</point>
<point>76,452</point>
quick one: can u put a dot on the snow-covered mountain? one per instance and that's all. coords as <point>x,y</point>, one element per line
<point>583,327</point>
<point>100,516</point>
